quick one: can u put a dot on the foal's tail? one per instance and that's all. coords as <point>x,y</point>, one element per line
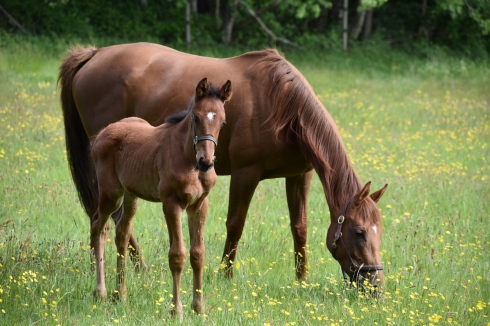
<point>76,140</point>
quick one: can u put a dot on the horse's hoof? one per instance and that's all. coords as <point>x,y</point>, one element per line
<point>228,272</point>
<point>140,266</point>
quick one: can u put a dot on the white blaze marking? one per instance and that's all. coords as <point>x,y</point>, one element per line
<point>211,116</point>
<point>375,229</point>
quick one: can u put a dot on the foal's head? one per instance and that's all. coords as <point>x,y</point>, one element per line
<point>208,117</point>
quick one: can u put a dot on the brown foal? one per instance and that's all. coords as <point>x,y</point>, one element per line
<point>173,164</point>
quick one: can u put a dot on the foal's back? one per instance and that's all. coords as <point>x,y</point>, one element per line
<point>129,154</point>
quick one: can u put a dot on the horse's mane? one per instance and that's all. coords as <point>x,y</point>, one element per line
<point>179,116</point>
<point>299,116</point>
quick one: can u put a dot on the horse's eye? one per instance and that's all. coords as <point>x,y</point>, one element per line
<point>223,124</point>
<point>360,234</point>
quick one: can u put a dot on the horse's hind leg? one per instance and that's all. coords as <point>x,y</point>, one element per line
<point>297,189</point>
<point>124,229</point>
<point>98,234</point>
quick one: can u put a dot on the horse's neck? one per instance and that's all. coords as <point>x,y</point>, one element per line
<point>339,180</point>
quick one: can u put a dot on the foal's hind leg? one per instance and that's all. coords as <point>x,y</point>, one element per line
<point>297,189</point>
<point>133,247</point>
<point>124,229</point>
<point>98,234</point>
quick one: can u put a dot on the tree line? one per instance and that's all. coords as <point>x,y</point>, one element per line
<point>460,25</point>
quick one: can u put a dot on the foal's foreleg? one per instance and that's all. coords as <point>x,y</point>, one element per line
<point>177,251</point>
<point>124,230</point>
<point>197,221</point>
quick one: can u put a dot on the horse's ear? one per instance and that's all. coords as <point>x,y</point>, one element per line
<point>202,88</point>
<point>226,91</point>
<point>376,196</point>
<point>362,194</point>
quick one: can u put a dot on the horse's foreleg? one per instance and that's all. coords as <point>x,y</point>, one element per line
<point>124,229</point>
<point>297,189</point>
<point>242,187</point>
<point>197,221</point>
<point>177,251</point>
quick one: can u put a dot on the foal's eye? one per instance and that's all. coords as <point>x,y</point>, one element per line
<point>223,124</point>
<point>196,119</point>
<point>360,234</point>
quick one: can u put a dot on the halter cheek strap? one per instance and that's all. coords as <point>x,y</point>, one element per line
<point>355,268</point>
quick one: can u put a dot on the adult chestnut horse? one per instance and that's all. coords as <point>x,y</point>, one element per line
<point>276,127</point>
<point>172,164</point>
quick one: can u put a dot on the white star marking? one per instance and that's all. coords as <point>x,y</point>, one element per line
<point>211,115</point>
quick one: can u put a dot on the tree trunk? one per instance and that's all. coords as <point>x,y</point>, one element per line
<point>188,23</point>
<point>346,25</point>
<point>217,14</point>
<point>368,24</point>
<point>229,11</point>
<point>354,33</point>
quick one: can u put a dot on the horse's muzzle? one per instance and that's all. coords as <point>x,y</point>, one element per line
<point>203,166</point>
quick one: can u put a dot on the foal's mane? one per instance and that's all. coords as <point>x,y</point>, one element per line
<point>299,116</point>
<point>179,116</point>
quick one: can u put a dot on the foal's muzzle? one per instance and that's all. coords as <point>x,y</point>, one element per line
<point>203,166</point>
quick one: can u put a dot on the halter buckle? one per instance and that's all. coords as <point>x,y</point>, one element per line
<point>341,219</point>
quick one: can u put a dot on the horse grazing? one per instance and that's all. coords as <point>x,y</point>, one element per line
<point>276,127</point>
<point>173,164</point>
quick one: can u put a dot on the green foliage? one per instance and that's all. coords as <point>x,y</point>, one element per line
<point>460,25</point>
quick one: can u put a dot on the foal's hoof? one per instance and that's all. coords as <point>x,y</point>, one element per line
<point>119,296</point>
<point>100,295</point>
<point>198,307</point>
<point>177,311</point>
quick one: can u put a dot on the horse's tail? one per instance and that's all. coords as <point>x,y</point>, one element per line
<point>76,140</point>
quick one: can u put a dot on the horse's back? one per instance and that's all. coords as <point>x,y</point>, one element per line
<point>153,81</point>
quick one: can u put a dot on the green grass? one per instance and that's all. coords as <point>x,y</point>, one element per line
<point>421,125</point>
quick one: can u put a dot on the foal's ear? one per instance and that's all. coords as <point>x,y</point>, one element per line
<point>376,196</point>
<point>226,91</point>
<point>202,88</point>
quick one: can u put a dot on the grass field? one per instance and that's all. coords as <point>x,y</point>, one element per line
<point>421,125</point>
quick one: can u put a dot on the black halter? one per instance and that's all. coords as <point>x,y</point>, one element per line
<point>200,138</point>
<point>354,268</point>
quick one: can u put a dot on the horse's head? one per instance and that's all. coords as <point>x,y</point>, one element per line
<point>208,117</point>
<point>354,237</point>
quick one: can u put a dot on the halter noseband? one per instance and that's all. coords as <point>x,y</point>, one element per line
<point>338,235</point>
<point>197,138</point>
